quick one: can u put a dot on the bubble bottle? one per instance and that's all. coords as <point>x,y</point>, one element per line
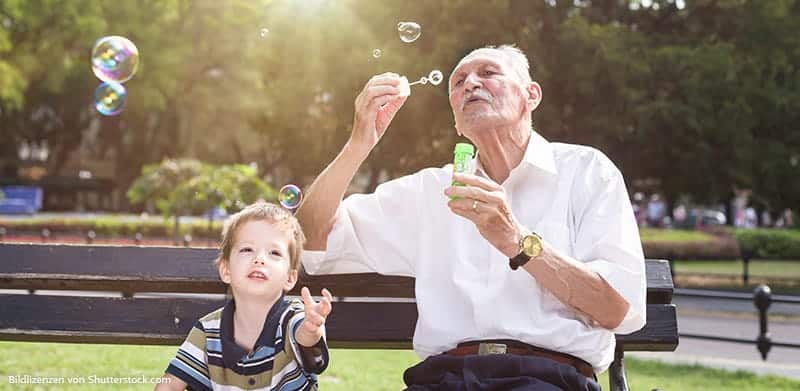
<point>462,161</point>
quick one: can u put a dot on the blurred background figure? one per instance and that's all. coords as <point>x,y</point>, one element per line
<point>656,210</point>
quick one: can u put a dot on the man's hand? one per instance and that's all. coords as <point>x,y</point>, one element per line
<point>375,107</point>
<point>483,202</point>
<point>313,325</point>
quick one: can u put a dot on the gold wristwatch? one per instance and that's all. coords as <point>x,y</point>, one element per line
<point>530,246</point>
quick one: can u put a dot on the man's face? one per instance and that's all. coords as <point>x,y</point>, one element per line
<point>485,91</point>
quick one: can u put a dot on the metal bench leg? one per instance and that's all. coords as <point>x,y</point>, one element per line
<point>617,380</point>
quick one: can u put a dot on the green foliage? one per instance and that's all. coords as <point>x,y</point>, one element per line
<point>112,226</point>
<point>704,98</point>
<point>159,182</point>
<point>782,269</point>
<point>231,187</point>
<point>770,243</point>
<point>183,186</point>
<point>673,235</point>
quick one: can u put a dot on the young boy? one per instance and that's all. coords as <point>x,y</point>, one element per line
<point>259,339</point>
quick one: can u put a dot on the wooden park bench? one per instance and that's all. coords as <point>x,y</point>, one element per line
<point>372,311</point>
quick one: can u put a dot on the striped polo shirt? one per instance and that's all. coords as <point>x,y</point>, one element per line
<point>210,359</point>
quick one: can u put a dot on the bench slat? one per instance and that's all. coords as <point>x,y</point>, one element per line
<point>152,321</point>
<point>175,269</point>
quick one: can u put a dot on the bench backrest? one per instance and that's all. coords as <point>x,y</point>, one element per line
<point>172,287</point>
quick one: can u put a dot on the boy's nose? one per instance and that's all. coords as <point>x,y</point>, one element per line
<point>260,257</point>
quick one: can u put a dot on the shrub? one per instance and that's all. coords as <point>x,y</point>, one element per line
<point>769,243</point>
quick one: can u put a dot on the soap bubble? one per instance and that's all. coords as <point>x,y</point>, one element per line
<point>423,80</point>
<point>114,59</point>
<point>376,53</point>
<point>435,77</point>
<point>109,98</point>
<point>290,196</point>
<point>264,32</point>
<point>409,31</point>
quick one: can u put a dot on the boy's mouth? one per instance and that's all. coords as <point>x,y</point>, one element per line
<point>257,275</point>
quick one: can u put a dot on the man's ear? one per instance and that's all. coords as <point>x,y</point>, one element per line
<point>534,95</point>
<point>290,281</point>
<point>224,272</point>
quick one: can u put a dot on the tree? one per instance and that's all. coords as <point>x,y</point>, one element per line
<point>703,98</point>
<point>187,186</point>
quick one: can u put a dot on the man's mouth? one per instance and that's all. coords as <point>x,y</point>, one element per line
<point>257,275</point>
<point>474,99</point>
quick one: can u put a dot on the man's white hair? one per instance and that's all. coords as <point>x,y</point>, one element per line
<point>515,57</point>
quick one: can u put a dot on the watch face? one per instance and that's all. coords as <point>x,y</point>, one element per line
<point>532,246</point>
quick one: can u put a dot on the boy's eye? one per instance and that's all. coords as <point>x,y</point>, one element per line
<point>245,249</point>
<point>276,253</point>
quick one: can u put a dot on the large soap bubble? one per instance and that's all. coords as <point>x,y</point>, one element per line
<point>114,59</point>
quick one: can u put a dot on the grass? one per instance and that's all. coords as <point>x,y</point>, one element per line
<point>370,370</point>
<point>673,235</point>
<point>763,268</point>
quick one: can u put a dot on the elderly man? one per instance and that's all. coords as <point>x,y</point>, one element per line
<point>523,277</point>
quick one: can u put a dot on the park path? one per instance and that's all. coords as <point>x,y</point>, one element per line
<point>737,319</point>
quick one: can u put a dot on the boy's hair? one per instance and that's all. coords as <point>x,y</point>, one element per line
<point>263,211</point>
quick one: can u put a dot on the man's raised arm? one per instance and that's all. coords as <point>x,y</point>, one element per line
<point>375,107</point>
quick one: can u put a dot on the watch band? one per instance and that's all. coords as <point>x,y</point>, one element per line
<point>519,260</point>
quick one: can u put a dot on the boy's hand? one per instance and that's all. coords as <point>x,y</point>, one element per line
<point>312,328</point>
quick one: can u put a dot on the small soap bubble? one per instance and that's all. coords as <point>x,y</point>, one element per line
<point>114,59</point>
<point>376,53</point>
<point>290,196</point>
<point>109,98</point>
<point>423,80</point>
<point>435,77</point>
<point>264,32</point>
<point>409,31</point>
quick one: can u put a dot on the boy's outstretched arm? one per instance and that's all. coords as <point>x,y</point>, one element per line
<point>313,326</point>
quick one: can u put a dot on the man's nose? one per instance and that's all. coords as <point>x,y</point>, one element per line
<point>471,82</point>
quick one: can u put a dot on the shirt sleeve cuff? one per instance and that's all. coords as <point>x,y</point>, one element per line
<point>313,359</point>
<point>630,285</point>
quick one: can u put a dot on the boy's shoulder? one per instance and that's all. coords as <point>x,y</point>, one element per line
<point>211,321</point>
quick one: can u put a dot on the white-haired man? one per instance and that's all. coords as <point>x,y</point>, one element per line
<point>522,279</point>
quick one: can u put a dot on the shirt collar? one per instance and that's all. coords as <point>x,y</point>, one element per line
<point>539,153</point>
<point>232,353</point>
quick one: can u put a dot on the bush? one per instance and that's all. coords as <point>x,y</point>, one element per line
<point>114,227</point>
<point>769,243</point>
<point>719,248</point>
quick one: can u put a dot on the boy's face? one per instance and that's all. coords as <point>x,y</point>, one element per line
<point>259,262</point>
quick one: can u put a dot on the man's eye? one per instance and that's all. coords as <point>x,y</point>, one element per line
<point>488,72</point>
<point>459,82</point>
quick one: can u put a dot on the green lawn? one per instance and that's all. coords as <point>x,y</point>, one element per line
<point>673,235</point>
<point>350,369</point>
<point>764,268</point>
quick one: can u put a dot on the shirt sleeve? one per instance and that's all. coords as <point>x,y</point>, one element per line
<point>607,240</point>
<point>375,232</point>
<point>191,362</point>
<point>312,359</point>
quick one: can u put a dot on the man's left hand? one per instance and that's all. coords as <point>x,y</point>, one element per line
<point>483,202</point>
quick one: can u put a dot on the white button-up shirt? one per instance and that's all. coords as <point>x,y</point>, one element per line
<point>571,195</point>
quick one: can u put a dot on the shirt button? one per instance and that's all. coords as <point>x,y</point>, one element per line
<point>252,381</point>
